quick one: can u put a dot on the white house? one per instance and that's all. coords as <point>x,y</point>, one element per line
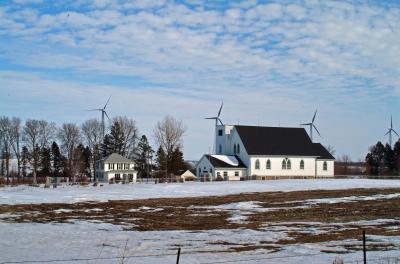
<point>116,167</point>
<point>264,153</point>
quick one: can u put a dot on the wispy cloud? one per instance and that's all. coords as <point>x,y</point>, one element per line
<point>263,57</point>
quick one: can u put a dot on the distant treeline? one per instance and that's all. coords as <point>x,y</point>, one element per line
<point>383,160</point>
<point>41,148</point>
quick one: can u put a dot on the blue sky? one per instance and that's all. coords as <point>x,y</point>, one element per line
<point>271,62</point>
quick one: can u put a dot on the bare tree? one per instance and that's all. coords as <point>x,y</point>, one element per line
<point>69,136</point>
<point>5,127</point>
<point>130,132</point>
<point>92,132</point>
<point>15,140</point>
<point>48,132</point>
<point>168,135</point>
<point>331,149</point>
<point>31,134</point>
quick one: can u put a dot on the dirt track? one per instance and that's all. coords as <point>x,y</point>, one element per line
<point>289,210</point>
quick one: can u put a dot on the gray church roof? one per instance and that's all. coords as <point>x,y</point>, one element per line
<point>280,141</point>
<point>116,158</point>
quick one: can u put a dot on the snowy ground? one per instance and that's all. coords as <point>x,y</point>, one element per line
<point>104,243</point>
<point>71,194</point>
<point>92,241</point>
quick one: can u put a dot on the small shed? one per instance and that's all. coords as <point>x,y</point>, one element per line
<point>188,175</point>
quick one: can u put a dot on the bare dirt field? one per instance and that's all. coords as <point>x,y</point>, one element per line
<point>304,216</point>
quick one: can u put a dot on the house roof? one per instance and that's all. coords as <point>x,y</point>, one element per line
<point>225,161</point>
<point>116,158</point>
<point>279,141</point>
<point>322,152</point>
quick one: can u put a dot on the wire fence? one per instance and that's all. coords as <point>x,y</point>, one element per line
<point>258,257</point>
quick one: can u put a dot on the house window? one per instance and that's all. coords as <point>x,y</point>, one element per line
<point>325,166</point>
<point>109,166</point>
<point>210,170</point>
<point>284,164</point>
<point>218,174</point>
<point>119,166</point>
<point>268,164</point>
<point>236,173</point>
<point>225,174</point>
<point>220,132</point>
<point>234,149</point>
<point>288,164</point>
<point>302,165</point>
<point>117,177</point>
<point>257,164</point>
<point>199,171</point>
<point>238,149</point>
<point>220,149</point>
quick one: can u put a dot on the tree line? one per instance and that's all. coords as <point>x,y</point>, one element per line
<point>383,159</point>
<point>41,148</point>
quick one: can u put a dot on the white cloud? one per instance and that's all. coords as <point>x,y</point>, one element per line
<point>275,52</point>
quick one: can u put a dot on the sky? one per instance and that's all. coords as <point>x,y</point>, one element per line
<point>272,63</point>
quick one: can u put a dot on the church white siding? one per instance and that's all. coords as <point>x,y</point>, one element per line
<point>330,168</point>
<point>276,168</point>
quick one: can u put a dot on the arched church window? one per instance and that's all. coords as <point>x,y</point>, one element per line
<point>257,164</point>
<point>288,164</point>
<point>268,164</point>
<point>284,164</point>
<point>325,166</point>
<point>301,164</point>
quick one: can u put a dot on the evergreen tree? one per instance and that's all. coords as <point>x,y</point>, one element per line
<point>161,160</point>
<point>114,142</point>
<point>143,157</point>
<point>177,162</point>
<point>389,161</point>
<point>396,153</point>
<point>24,160</point>
<point>376,159</point>
<point>45,161</point>
<point>56,159</point>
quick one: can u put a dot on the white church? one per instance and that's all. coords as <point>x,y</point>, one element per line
<point>254,152</point>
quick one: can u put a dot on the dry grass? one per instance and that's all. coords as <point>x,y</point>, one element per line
<point>188,214</point>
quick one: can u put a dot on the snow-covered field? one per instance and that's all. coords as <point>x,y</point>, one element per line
<point>93,241</point>
<point>70,194</point>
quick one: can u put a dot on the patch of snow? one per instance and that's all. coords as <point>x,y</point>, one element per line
<point>231,160</point>
<point>70,194</point>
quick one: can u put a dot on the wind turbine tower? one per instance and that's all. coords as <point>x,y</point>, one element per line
<point>312,126</point>
<point>390,130</point>
<point>217,119</point>
<point>103,113</point>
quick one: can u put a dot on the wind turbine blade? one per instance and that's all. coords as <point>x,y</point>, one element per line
<point>219,119</point>
<point>391,122</point>
<point>94,110</point>
<point>314,116</point>
<point>307,124</point>
<point>316,130</point>
<point>387,132</point>
<point>219,112</point>
<point>395,132</point>
<point>107,102</point>
<point>107,115</point>
<point>211,118</point>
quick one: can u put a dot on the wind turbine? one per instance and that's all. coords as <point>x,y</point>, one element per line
<point>103,113</point>
<point>217,119</point>
<point>390,130</point>
<point>312,126</point>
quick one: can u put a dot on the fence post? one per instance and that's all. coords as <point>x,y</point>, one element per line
<point>364,248</point>
<point>178,256</point>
